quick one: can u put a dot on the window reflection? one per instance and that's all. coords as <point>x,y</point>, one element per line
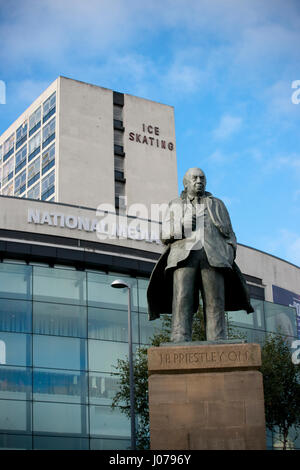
<point>111,324</point>
<point>107,422</point>
<point>101,294</point>
<point>59,319</point>
<point>59,418</point>
<point>15,315</point>
<point>15,349</point>
<point>15,281</point>
<point>15,383</point>
<point>15,415</point>
<point>59,285</point>
<point>102,388</point>
<point>57,385</point>
<point>59,353</point>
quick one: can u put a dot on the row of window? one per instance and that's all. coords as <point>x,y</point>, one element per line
<point>23,158</point>
<point>28,128</point>
<point>38,442</point>
<point>43,188</point>
<point>120,197</point>
<point>62,418</point>
<point>78,321</point>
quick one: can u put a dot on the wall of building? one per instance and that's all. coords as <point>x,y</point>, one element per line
<point>86,155</point>
<point>150,152</point>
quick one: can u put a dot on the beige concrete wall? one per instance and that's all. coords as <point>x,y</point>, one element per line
<point>151,171</point>
<point>272,270</point>
<point>85,156</point>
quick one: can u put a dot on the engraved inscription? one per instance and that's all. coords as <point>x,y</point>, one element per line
<point>204,358</point>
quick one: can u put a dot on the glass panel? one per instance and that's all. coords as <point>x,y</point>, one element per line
<point>21,155</point>
<point>15,383</point>
<point>103,355</point>
<point>101,294</point>
<point>15,415</point>
<point>49,103</point>
<point>58,319</point>
<point>110,444</point>
<point>48,130</point>
<point>15,281</point>
<point>142,292</point>
<point>59,418</point>
<point>17,442</point>
<point>102,388</point>
<point>15,315</point>
<point>59,285</point>
<point>35,118</point>
<point>148,328</point>
<point>60,443</point>
<point>111,324</point>
<point>107,422</point>
<point>59,353</point>
<point>15,349</point>
<point>59,386</point>
<point>21,131</point>
<point>34,142</point>
<point>241,317</point>
<point>280,319</point>
<point>34,193</point>
<point>48,182</point>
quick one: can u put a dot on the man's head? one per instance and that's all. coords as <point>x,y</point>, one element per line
<point>194,182</point>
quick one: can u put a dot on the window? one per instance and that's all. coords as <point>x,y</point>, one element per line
<point>20,183</point>
<point>8,171</point>
<point>1,153</point>
<point>59,386</point>
<point>21,134</point>
<point>8,190</point>
<point>59,418</point>
<point>48,185</point>
<point>57,352</point>
<point>34,193</point>
<point>15,281</point>
<point>34,146</point>
<point>8,147</point>
<point>119,167</point>
<point>48,132</point>
<point>60,286</point>
<point>35,121</point>
<point>118,112</point>
<point>20,159</point>
<point>48,159</point>
<point>15,315</point>
<point>59,319</point>
<point>49,107</point>
<point>118,137</point>
<point>34,171</point>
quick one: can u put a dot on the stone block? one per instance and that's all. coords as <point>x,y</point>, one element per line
<point>206,397</point>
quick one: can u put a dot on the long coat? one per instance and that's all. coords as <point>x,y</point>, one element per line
<point>219,243</point>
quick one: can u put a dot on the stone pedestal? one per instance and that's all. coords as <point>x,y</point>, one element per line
<point>206,396</point>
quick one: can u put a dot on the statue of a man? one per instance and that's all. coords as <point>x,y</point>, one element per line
<point>201,248</point>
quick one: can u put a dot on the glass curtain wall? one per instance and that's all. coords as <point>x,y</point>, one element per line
<point>61,333</point>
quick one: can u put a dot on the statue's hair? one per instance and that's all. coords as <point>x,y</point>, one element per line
<point>185,178</point>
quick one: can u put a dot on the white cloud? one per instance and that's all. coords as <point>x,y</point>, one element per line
<point>228,125</point>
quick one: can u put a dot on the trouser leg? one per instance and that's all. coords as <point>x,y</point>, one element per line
<point>213,302</point>
<point>183,303</point>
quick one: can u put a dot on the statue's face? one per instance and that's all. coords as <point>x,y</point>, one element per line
<point>195,182</point>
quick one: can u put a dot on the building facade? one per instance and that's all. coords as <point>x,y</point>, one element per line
<point>62,326</point>
<point>78,143</point>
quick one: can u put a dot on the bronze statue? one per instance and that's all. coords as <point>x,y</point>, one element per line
<point>201,248</point>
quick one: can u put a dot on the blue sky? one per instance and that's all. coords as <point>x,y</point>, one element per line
<point>227,67</point>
